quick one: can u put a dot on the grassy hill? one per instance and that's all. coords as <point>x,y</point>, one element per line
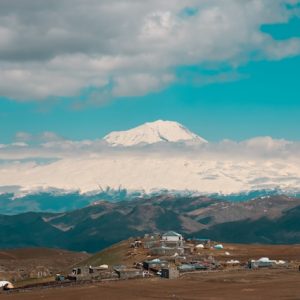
<point>264,220</point>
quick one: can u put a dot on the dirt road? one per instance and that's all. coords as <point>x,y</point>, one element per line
<point>255,284</point>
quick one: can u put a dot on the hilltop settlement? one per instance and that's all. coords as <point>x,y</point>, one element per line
<point>167,256</point>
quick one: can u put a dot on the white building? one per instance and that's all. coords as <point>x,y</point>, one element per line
<point>172,238</point>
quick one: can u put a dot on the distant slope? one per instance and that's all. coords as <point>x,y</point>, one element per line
<point>24,263</point>
<point>29,230</point>
<point>282,230</point>
<point>57,201</point>
<point>113,255</point>
<point>265,220</point>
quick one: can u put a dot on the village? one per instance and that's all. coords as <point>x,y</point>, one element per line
<point>166,256</point>
<point>171,256</point>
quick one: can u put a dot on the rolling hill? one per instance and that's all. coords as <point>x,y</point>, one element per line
<point>265,220</point>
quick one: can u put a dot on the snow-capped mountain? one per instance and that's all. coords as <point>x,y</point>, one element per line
<point>153,132</point>
<point>224,168</point>
<point>151,171</point>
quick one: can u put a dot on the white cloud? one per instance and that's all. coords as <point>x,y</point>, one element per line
<point>139,84</point>
<point>37,139</point>
<point>47,161</point>
<point>267,143</point>
<point>57,48</point>
<point>51,145</point>
<point>225,167</point>
<point>22,136</point>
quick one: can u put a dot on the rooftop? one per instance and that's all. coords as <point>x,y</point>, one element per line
<point>172,233</point>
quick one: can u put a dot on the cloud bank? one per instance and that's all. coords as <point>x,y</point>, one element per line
<point>128,48</point>
<point>46,161</point>
<point>50,145</point>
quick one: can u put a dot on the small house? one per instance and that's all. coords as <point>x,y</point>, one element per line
<point>87,273</point>
<point>170,273</point>
<point>128,273</point>
<point>155,264</point>
<point>172,238</point>
<point>150,244</point>
<point>265,262</point>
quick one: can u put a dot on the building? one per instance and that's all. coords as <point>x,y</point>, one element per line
<point>170,273</point>
<point>166,251</point>
<point>128,273</point>
<point>88,273</point>
<point>172,239</point>
<point>172,236</point>
<point>148,244</point>
<point>265,262</point>
<point>155,264</point>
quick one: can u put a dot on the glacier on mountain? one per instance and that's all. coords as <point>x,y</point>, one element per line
<point>151,133</point>
<point>161,155</point>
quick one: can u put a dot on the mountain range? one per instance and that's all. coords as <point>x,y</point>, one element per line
<point>271,219</point>
<point>155,156</point>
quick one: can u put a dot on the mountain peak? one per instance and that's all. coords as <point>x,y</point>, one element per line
<point>151,133</point>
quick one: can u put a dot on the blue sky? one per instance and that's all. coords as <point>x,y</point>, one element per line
<point>259,96</point>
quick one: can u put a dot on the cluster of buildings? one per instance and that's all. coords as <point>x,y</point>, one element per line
<point>167,256</point>
<point>177,255</point>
